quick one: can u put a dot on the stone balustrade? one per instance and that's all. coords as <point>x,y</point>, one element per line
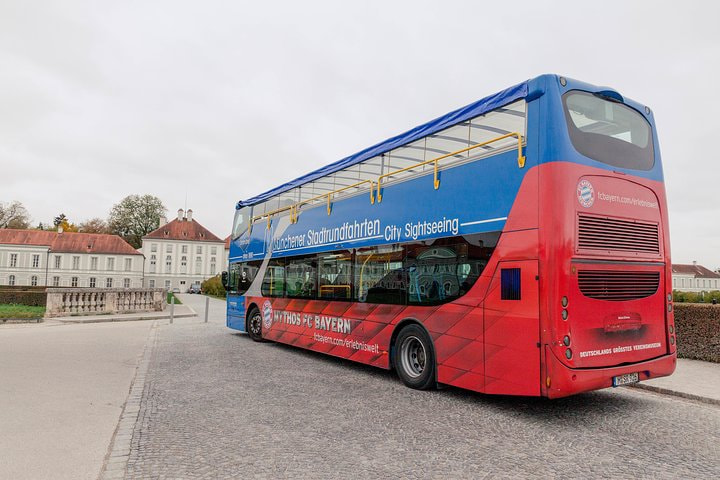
<point>96,301</point>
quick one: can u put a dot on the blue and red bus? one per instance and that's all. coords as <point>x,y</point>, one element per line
<point>518,245</point>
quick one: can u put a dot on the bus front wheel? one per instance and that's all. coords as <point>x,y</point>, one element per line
<point>254,325</point>
<point>414,358</point>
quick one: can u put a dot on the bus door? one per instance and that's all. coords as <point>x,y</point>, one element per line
<point>512,330</point>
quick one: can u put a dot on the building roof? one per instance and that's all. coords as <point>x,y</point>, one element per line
<point>184,230</point>
<point>69,242</point>
<point>698,271</point>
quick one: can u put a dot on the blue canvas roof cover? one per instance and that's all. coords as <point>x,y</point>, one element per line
<point>462,114</point>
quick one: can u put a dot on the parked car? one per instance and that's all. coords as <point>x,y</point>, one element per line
<point>175,290</point>
<point>195,289</point>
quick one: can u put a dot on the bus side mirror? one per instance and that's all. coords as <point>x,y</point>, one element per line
<point>224,280</point>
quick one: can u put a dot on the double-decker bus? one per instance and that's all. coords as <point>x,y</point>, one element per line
<point>518,245</point>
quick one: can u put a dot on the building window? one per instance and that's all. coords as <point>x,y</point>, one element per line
<point>126,283</point>
<point>13,260</point>
<point>11,280</point>
<point>76,263</point>
<point>93,263</point>
<point>36,261</point>
<point>674,282</point>
<point>198,265</point>
<point>110,264</point>
<point>153,263</point>
<point>108,282</point>
<point>33,280</point>
<point>56,281</point>
<point>169,248</point>
<point>58,261</point>
<point>213,250</point>
<point>93,282</point>
<point>153,247</point>
<point>183,262</point>
<point>212,268</point>
<point>74,282</point>
<point>168,264</point>
<point>198,250</point>
<point>151,283</point>
<point>184,249</point>
<point>128,264</point>
<point>167,283</point>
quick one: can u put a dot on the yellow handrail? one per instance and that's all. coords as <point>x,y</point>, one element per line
<point>295,208</point>
<point>329,196</point>
<point>436,181</point>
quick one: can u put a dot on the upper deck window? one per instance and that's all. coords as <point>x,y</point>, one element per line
<point>608,131</point>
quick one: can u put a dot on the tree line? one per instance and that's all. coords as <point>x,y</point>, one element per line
<point>132,218</point>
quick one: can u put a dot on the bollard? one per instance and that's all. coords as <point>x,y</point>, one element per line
<point>207,305</point>
<point>172,309</point>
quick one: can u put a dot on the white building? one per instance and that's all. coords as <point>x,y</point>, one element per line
<point>68,259</point>
<point>181,254</point>
<point>694,278</point>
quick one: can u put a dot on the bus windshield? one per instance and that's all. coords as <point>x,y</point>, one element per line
<point>240,224</point>
<point>608,131</point>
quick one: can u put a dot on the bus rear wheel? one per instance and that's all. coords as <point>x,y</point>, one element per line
<point>414,358</point>
<point>254,325</point>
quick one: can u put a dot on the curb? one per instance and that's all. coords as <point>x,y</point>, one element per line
<point>118,453</point>
<point>126,319</point>
<point>675,393</point>
<point>17,321</point>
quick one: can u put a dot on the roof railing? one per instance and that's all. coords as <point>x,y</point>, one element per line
<point>294,209</point>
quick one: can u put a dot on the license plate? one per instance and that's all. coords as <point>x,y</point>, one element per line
<point>626,379</point>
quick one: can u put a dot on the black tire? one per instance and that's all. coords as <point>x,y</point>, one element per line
<point>254,325</point>
<point>414,358</point>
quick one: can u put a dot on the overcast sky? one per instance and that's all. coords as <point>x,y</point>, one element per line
<point>220,101</point>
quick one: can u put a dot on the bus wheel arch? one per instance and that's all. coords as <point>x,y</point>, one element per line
<point>409,339</point>
<point>253,322</point>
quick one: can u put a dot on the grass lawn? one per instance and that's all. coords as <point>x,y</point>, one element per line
<point>170,295</point>
<point>20,311</point>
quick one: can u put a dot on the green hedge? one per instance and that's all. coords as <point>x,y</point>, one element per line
<point>698,331</point>
<point>696,297</point>
<point>213,286</point>
<point>30,296</point>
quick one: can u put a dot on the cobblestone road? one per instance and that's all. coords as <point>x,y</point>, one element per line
<point>217,405</point>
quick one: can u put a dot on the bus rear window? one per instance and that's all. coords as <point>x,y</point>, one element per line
<point>608,131</point>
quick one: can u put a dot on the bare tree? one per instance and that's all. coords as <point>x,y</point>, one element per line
<point>94,225</point>
<point>14,215</point>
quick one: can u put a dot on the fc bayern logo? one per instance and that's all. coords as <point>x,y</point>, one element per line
<point>267,314</point>
<point>585,193</point>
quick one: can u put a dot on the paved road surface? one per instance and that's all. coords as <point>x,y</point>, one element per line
<point>217,405</point>
<point>62,388</point>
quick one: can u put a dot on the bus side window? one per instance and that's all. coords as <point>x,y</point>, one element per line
<point>432,273</point>
<point>273,284</point>
<point>380,276</point>
<point>301,277</point>
<point>334,275</point>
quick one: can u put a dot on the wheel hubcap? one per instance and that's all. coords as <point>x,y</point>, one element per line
<point>412,356</point>
<point>255,325</point>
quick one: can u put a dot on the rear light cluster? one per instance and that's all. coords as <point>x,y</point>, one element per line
<point>671,326</point>
<point>566,338</point>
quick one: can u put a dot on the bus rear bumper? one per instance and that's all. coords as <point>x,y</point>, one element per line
<point>564,381</point>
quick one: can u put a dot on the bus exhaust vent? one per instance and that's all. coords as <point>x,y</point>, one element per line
<point>618,286</point>
<point>609,234</point>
